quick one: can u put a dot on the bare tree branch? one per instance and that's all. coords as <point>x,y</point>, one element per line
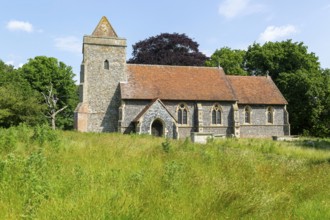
<point>51,101</point>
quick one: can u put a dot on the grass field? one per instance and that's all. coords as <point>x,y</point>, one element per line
<point>71,175</point>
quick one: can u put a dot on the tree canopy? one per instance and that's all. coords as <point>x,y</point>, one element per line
<point>19,103</point>
<point>168,49</point>
<point>307,94</point>
<point>279,57</point>
<point>232,61</point>
<point>42,73</point>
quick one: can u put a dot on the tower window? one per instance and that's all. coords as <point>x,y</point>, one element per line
<point>106,64</point>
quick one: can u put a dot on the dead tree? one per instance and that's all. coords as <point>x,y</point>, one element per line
<point>51,100</point>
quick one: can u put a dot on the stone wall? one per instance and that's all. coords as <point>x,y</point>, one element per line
<point>132,108</point>
<point>262,130</point>
<point>221,130</point>
<point>158,112</point>
<point>183,130</point>
<point>172,107</point>
<point>227,117</point>
<point>100,86</point>
<point>259,126</point>
<point>226,126</point>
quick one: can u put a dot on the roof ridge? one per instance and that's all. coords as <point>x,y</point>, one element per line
<point>172,66</point>
<point>245,76</point>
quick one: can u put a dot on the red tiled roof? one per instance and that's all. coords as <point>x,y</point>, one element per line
<point>197,83</point>
<point>176,83</point>
<point>256,90</point>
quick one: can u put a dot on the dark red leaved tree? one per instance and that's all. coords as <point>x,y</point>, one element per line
<point>168,49</point>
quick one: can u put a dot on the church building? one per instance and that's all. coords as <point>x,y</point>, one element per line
<point>171,101</point>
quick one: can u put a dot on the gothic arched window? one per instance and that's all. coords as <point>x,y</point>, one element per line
<point>247,115</point>
<point>216,115</point>
<point>182,114</point>
<point>106,64</point>
<point>270,115</point>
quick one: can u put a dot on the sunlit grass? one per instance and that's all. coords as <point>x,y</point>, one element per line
<point>71,175</point>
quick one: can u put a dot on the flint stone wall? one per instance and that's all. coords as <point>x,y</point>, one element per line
<point>101,86</point>
<point>259,126</point>
<point>158,112</point>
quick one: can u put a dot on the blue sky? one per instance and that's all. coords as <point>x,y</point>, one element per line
<point>30,28</point>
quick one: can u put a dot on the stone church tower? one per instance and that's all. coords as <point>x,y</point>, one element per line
<point>102,69</point>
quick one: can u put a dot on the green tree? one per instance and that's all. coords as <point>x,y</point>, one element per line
<point>168,49</point>
<point>19,105</point>
<point>18,101</point>
<point>232,61</point>
<point>41,72</point>
<point>325,114</point>
<point>306,93</point>
<point>279,57</point>
<point>5,69</point>
<point>298,75</point>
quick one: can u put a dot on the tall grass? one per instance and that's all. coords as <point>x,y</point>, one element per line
<point>69,175</point>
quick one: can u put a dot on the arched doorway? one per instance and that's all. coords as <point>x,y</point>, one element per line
<point>157,128</point>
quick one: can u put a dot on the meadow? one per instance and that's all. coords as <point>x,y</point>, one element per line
<point>47,174</point>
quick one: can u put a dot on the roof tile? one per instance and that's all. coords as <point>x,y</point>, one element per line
<point>256,90</point>
<point>176,83</point>
<point>197,83</point>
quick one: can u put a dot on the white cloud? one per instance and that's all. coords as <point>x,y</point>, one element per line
<point>10,62</point>
<point>207,52</point>
<point>234,8</point>
<point>19,26</point>
<point>273,33</point>
<point>71,44</point>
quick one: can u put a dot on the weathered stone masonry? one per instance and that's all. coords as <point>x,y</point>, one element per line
<point>259,126</point>
<point>100,100</point>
